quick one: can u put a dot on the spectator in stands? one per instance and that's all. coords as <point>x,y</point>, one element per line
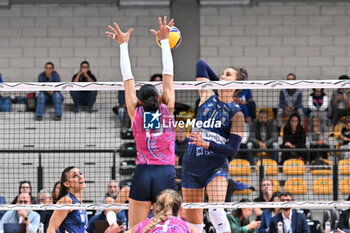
<point>84,98</point>
<point>344,219</point>
<point>345,137</point>
<point>263,135</point>
<point>318,105</point>
<point>2,201</point>
<point>45,97</point>
<point>112,190</point>
<point>30,218</point>
<point>291,220</point>
<point>55,192</point>
<point>247,118</point>
<point>156,78</point>
<point>290,102</point>
<point>25,187</point>
<point>121,219</point>
<point>181,142</point>
<point>318,138</point>
<point>293,137</point>
<point>246,98</point>
<point>44,198</point>
<point>340,103</point>
<point>121,196</point>
<point>266,188</point>
<point>239,220</point>
<point>269,213</point>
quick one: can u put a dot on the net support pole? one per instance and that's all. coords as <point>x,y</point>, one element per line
<point>335,180</point>
<point>114,168</point>
<point>40,174</point>
<point>261,175</point>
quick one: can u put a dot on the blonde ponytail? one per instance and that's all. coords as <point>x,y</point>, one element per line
<point>168,204</point>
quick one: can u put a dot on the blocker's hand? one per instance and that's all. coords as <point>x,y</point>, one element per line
<point>198,140</point>
<point>114,228</point>
<point>118,35</point>
<point>164,29</point>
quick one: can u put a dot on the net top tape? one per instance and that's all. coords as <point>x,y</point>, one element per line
<point>227,205</point>
<point>190,85</point>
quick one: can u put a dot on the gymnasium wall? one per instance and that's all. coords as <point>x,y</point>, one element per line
<point>271,40</point>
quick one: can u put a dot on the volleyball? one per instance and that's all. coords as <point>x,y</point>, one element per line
<point>174,38</point>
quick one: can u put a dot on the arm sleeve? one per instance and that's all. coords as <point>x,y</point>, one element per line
<point>229,149</point>
<point>274,135</point>
<point>312,142</point>
<point>301,141</point>
<point>4,219</point>
<point>252,135</point>
<point>167,58</point>
<point>272,227</point>
<point>34,224</point>
<point>306,228</point>
<point>2,201</point>
<point>299,101</point>
<point>235,227</point>
<point>311,104</point>
<point>282,102</point>
<point>41,78</point>
<point>249,95</point>
<point>263,226</point>
<point>203,70</point>
<point>56,77</point>
<point>324,105</point>
<point>125,65</point>
<point>93,77</point>
<point>286,135</point>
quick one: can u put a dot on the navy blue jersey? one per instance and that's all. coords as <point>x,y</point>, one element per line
<point>218,116</point>
<point>76,221</point>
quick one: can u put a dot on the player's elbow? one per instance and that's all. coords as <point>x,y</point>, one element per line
<point>201,64</point>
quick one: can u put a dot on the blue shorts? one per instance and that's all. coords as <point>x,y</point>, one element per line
<point>150,180</point>
<point>192,180</point>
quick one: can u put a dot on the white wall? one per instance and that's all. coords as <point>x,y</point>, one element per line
<point>270,40</point>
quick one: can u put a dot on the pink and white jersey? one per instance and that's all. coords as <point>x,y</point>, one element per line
<point>174,225</point>
<point>154,146</point>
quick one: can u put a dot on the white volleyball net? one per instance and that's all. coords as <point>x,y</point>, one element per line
<point>36,145</point>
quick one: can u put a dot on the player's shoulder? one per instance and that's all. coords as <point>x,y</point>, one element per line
<point>65,200</point>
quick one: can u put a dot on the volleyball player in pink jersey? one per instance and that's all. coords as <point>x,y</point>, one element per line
<point>166,218</point>
<point>155,170</point>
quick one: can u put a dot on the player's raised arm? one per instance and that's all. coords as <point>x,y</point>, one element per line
<point>168,96</point>
<point>205,73</point>
<point>122,38</point>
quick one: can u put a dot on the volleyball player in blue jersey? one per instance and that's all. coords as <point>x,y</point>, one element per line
<point>205,163</point>
<point>73,221</point>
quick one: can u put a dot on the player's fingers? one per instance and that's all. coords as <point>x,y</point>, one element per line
<point>110,35</point>
<point>112,29</point>
<point>164,21</point>
<point>117,27</point>
<point>129,31</point>
<point>160,22</point>
<point>153,31</point>
<point>171,23</point>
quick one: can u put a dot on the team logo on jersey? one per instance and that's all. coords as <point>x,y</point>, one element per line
<point>205,112</point>
<point>151,120</point>
<point>82,218</point>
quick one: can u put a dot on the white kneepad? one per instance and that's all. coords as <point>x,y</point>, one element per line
<point>219,220</point>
